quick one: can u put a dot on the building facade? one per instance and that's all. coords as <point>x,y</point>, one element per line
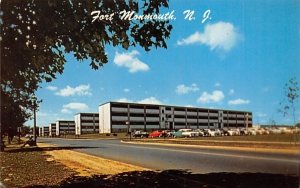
<point>52,129</point>
<point>120,117</point>
<point>64,127</point>
<point>43,132</point>
<point>86,123</point>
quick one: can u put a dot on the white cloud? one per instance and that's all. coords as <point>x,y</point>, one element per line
<point>217,84</point>
<point>231,92</point>
<point>182,89</point>
<point>76,106</point>
<point>52,88</point>
<point>215,96</point>
<point>221,35</point>
<point>130,61</point>
<point>259,114</point>
<point>150,100</point>
<point>123,100</point>
<point>80,90</point>
<point>65,111</point>
<point>238,102</point>
<point>126,90</point>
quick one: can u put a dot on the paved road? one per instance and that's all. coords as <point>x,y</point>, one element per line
<point>197,160</point>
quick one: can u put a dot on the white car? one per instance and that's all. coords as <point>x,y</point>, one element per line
<point>252,132</point>
<point>210,132</point>
<point>201,132</point>
<point>189,133</point>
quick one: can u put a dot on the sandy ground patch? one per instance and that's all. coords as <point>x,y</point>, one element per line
<point>88,165</point>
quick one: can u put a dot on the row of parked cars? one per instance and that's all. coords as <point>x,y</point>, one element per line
<point>214,132</point>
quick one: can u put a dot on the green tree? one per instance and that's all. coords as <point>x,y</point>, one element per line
<point>12,116</point>
<point>288,106</point>
<point>36,35</point>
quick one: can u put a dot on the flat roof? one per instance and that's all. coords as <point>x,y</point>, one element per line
<point>87,113</point>
<point>176,106</point>
<point>69,121</point>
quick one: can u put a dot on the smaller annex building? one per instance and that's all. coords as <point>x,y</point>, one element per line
<point>65,127</point>
<point>52,129</point>
<point>86,123</point>
<point>45,131</point>
<point>122,117</point>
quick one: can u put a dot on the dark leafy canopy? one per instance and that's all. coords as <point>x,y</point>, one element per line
<point>288,106</point>
<point>35,35</point>
<point>12,116</point>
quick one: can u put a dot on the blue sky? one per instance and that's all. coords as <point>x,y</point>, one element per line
<point>240,58</point>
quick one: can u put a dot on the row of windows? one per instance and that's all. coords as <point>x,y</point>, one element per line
<point>136,122</point>
<point>134,114</point>
<point>63,126</point>
<point>89,127</point>
<point>89,121</point>
<point>89,115</point>
<point>134,106</point>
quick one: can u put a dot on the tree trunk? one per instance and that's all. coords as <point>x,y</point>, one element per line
<point>1,143</point>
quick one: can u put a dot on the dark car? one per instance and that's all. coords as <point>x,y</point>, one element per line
<point>140,134</point>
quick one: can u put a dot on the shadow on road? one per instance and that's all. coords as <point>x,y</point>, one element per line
<point>182,178</point>
<point>32,149</point>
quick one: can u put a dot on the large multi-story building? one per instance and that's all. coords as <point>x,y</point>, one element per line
<point>65,127</point>
<point>52,129</point>
<point>121,116</point>
<point>86,123</point>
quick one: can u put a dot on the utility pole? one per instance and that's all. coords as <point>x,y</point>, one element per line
<point>128,129</point>
<point>247,121</point>
<point>34,121</point>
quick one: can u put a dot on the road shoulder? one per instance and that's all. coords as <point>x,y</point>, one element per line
<point>87,165</point>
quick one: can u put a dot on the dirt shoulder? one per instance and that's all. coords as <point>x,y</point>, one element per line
<point>25,167</point>
<point>50,166</point>
<point>87,165</point>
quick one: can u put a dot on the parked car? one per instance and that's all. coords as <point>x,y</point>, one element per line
<point>158,133</point>
<point>216,132</point>
<point>275,131</point>
<point>244,132</point>
<point>209,132</point>
<point>222,132</point>
<point>285,130</point>
<point>252,131</point>
<point>200,131</point>
<point>176,134</point>
<point>170,132</point>
<point>230,132</point>
<point>189,133</point>
<point>140,134</point>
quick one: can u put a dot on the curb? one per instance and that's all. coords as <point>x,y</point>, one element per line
<point>239,148</point>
